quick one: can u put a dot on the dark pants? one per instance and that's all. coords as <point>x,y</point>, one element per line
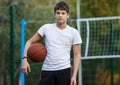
<point>60,77</point>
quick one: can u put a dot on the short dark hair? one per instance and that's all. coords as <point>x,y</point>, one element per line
<point>61,6</point>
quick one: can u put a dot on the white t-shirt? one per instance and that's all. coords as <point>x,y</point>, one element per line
<point>58,44</point>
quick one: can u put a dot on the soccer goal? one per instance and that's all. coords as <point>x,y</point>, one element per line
<point>100,51</point>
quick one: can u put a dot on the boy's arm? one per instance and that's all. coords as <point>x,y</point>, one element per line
<point>77,55</point>
<point>33,39</point>
<point>25,64</point>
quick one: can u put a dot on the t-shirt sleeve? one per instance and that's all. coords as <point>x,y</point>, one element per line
<point>41,31</point>
<point>76,38</point>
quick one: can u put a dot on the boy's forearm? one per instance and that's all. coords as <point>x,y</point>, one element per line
<point>76,65</point>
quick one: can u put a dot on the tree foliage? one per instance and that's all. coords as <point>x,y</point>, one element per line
<point>100,8</point>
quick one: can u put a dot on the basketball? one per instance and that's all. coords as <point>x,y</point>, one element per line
<point>37,52</point>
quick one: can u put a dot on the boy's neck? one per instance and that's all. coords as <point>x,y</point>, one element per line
<point>61,26</point>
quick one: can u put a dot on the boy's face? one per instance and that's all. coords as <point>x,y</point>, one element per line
<point>61,16</point>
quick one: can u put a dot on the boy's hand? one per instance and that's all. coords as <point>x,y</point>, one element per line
<point>25,66</point>
<point>73,81</point>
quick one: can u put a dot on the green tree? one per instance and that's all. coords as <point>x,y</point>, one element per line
<point>99,8</point>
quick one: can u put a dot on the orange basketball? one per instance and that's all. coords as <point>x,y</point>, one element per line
<point>37,52</point>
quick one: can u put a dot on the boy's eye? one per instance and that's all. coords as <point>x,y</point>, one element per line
<point>58,13</point>
<point>63,13</point>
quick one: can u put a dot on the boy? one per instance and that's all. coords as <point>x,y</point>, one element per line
<point>59,39</point>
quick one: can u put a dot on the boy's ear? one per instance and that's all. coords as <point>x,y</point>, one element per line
<point>68,16</point>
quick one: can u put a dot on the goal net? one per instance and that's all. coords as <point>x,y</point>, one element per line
<point>100,51</point>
